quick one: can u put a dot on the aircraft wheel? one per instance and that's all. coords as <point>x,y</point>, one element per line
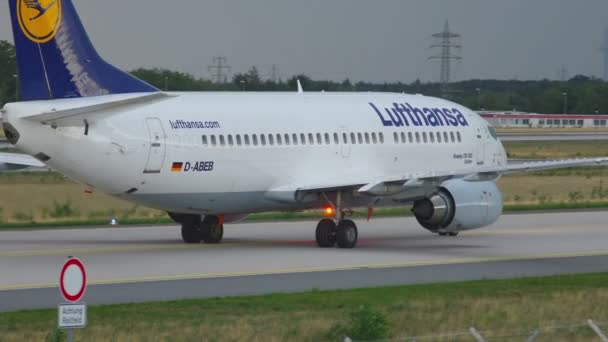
<point>326,233</point>
<point>453,234</point>
<point>178,218</point>
<point>347,234</point>
<point>213,231</point>
<point>191,230</point>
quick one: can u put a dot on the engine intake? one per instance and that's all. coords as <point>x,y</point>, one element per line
<point>459,205</point>
<point>436,211</point>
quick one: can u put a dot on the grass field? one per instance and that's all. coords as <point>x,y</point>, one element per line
<point>556,149</point>
<point>498,308</point>
<point>47,197</point>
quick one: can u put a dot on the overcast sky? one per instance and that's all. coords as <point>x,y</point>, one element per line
<point>373,40</point>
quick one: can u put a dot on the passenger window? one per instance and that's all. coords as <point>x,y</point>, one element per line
<point>311,139</point>
<point>410,137</point>
<point>287,142</point>
<point>336,139</point>
<point>319,139</point>
<point>353,138</point>
<point>247,139</point>
<point>452,137</point>
<point>360,138</point>
<point>213,141</point>
<point>367,138</point>
<point>438,137</point>
<point>205,143</point>
<point>230,141</point>
<point>417,137</point>
<point>279,140</point>
<point>381,137</point>
<point>403,138</point>
<point>238,140</point>
<point>445,137</point>
<point>432,137</point>
<point>459,136</point>
<point>424,137</point>
<point>374,138</point>
<point>255,139</point>
<point>271,140</point>
<point>344,138</point>
<point>327,139</point>
<point>295,139</point>
<point>303,139</point>
<point>396,137</point>
<point>263,139</point>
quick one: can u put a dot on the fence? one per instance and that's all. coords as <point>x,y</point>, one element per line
<point>587,331</point>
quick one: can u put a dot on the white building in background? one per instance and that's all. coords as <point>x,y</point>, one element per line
<point>528,120</point>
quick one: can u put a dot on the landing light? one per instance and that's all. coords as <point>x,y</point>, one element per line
<point>329,211</point>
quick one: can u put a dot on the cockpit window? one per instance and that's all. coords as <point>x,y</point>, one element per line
<point>493,132</point>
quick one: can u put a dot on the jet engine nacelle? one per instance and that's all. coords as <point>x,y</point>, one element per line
<point>460,205</point>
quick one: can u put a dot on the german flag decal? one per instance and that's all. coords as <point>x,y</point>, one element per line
<point>177,167</point>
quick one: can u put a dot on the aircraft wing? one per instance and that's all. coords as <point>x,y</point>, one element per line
<point>540,165</point>
<point>16,161</point>
<point>392,185</point>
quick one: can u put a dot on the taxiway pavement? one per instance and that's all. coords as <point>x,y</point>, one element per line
<point>136,264</point>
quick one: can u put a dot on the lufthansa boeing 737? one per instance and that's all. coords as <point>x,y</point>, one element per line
<point>210,158</point>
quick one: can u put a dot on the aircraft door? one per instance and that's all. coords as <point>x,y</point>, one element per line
<point>156,156</point>
<point>481,139</point>
<point>345,145</point>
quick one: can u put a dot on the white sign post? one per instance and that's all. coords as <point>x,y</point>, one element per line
<point>73,285</point>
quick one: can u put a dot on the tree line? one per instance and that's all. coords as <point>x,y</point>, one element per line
<point>580,94</point>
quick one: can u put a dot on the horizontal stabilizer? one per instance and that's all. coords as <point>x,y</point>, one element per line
<point>16,161</point>
<point>92,105</point>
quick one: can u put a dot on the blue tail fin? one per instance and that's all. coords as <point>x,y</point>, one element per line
<point>56,58</point>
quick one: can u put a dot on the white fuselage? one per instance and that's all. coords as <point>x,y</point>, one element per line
<point>235,148</point>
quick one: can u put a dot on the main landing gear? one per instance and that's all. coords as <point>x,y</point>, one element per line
<point>194,230</point>
<point>342,232</point>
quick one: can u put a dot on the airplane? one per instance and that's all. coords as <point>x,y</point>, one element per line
<point>211,158</point>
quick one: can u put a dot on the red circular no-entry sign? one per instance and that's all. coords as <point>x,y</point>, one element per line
<point>73,280</point>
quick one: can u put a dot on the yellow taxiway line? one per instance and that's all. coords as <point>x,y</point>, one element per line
<point>145,248</point>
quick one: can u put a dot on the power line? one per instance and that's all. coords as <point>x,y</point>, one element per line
<point>218,68</point>
<point>562,74</point>
<point>274,73</point>
<point>604,50</point>
<point>444,42</point>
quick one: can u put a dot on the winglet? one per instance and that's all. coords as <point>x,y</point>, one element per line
<point>300,89</point>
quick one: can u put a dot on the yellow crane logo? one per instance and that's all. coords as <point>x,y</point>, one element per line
<point>39,19</point>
